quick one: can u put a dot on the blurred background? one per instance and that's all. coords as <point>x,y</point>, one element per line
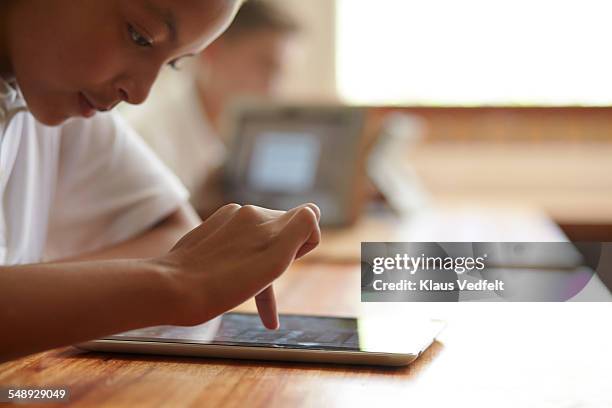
<point>509,100</point>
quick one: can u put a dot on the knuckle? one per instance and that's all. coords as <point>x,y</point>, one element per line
<point>313,207</point>
<point>248,211</point>
<point>307,215</point>
<point>262,245</point>
<point>231,207</point>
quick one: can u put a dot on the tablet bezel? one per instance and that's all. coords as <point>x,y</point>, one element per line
<point>264,352</point>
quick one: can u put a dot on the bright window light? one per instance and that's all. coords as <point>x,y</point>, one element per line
<point>475,52</point>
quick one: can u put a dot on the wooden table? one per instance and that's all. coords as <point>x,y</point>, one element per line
<point>490,355</point>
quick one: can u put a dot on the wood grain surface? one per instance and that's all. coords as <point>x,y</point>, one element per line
<point>490,355</point>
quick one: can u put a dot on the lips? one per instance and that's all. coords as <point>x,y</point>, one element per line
<point>87,108</point>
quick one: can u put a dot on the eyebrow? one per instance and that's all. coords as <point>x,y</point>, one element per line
<point>167,16</point>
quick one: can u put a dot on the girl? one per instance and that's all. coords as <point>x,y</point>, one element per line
<point>76,180</point>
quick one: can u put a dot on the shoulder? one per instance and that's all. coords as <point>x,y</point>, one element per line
<point>99,132</point>
<point>97,140</point>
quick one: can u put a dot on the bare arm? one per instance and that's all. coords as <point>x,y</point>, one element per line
<point>234,255</point>
<point>154,242</point>
<point>50,305</point>
<point>90,299</point>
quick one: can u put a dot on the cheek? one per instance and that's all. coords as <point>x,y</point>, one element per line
<point>87,63</point>
<point>51,77</point>
<point>70,67</point>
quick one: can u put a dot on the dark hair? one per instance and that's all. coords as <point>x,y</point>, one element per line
<point>256,15</point>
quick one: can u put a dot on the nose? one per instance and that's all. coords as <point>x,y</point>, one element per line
<point>134,92</point>
<point>135,88</point>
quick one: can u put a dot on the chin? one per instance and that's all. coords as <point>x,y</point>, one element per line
<point>45,110</point>
<point>49,118</point>
<point>54,121</point>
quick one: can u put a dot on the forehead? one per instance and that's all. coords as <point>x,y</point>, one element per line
<point>193,24</point>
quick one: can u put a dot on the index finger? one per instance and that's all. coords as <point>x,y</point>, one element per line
<point>266,307</point>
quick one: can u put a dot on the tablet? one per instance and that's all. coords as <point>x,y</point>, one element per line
<point>301,338</point>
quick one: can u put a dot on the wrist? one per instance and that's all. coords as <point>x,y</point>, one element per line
<point>180,301</point>
<point>170,300</point>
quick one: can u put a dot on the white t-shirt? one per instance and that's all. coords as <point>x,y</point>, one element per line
<point>175,127</point>
<point>74,188</point>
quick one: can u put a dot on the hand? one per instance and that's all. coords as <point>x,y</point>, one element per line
<point>236,254</point>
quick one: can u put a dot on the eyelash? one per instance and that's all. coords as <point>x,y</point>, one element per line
<point>142,41</point>
<point>137,38</point>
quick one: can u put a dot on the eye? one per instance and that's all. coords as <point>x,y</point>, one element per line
<point>138,38</point>
<point>175,65</point>
<point>178,64</point>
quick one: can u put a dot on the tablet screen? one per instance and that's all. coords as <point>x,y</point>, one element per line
<point>306,332</point>
<point>284,162</point>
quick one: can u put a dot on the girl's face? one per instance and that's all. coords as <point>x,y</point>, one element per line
<point>73,58</point>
